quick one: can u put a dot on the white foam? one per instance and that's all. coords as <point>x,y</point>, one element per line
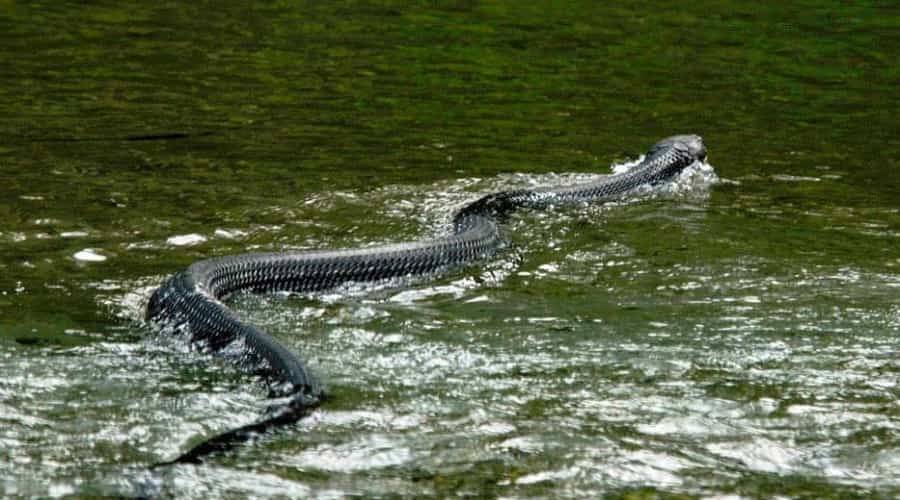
<point>73,234</point>
<point>186,239</point>
<point>693,180</point>
<point>230,233</point>
<point>89,255</point>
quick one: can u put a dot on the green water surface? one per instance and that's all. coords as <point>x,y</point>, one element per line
<point>741,340</point>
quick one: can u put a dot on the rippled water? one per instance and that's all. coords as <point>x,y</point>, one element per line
<point>735,337</point>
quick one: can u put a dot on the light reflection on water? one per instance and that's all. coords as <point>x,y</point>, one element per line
<point>435,377</point>
<point>435,384</point>
<point>630,399</point>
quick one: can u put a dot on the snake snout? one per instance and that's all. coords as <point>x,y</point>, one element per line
<point>693,143</point>
<point>696,146</point>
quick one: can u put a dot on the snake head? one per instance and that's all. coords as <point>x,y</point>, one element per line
<point>693,144</point>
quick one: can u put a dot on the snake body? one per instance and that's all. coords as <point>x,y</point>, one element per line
<point>193,298</point>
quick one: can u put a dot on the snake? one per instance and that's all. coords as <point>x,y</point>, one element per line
<point>194,299</point>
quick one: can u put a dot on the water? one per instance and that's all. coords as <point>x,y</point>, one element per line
<point>737,340</point>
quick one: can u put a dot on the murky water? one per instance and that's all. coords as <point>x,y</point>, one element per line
<point>733,338</point>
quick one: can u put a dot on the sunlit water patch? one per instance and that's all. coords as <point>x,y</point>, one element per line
<point>670,398</point>
<point>631,359</point>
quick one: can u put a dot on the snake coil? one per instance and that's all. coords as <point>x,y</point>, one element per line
<point>192,298</point>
